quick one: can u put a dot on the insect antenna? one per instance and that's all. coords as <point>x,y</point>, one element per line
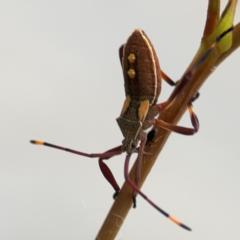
<point>106,155</point>
<point>136,189</point>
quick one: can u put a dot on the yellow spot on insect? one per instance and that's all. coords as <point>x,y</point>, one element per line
<point>174,220</point>
<point>131,73</point>
<point>37,142</point>
<point>131,58</point>
<point>125,105</point>
<point>143,110</point>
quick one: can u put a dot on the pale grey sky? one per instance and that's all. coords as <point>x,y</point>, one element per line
<point>61,82</point>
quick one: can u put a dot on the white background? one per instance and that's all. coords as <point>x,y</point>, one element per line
<point>61,82</point>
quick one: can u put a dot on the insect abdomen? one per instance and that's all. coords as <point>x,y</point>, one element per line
<point>141,70</point>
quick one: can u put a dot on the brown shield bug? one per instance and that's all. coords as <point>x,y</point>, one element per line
<point>142,81</point>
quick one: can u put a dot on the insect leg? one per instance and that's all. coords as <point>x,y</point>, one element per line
<point>136,189</point>
<point>167,79</point>
<point>180,129</point>
<point>172,83</point>
<point>107,172</point>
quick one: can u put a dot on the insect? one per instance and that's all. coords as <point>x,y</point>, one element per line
<point>142,81</point>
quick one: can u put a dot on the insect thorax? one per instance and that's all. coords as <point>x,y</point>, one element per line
<point>130,130</point>
<point>131,121</point>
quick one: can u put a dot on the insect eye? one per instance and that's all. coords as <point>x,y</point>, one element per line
<point>151,135</point>
<point>133,145</point>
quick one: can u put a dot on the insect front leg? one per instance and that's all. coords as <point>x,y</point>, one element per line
<point>107,173</point>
